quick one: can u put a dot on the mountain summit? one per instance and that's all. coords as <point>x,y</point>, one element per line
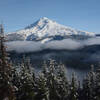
<point>40,22</point>
<point>44,28</point>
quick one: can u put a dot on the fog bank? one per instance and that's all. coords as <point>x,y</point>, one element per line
<point>66,44</point>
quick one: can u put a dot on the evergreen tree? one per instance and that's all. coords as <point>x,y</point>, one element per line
<point>16,80</point>
<point>6,88</point>
<point>56,80</point>
<point>27,84</point>
<point>92,78</point>
<point>73,89</point>
<point>98,84</point>
<point>86,89</point>
<point>42,88</point>
<point>89,85</point>
<point>63,85</point>
<point>51,77</point>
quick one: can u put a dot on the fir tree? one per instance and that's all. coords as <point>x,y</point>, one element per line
<point>42,88</point>
<point>6,88</point>
<point>92,78</point>
<point>56,80</point>
<point>63,85</point>
<point>26,89</point>
<point>52,81</point>
<point>98,84</point>
<point>89,85</point>
<point>73,88</point>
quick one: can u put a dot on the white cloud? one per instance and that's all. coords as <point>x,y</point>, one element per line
<point>67,44</point>
<point>23,46</point>
<point>92,41</point>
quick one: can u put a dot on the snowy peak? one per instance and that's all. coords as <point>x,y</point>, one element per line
<point>44,28</point>
<point>40,22</point>
<point>44,20</point>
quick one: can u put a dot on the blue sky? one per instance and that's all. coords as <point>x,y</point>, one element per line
<point>79,14</point>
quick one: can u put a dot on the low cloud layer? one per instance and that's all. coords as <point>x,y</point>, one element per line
<point>92,41</point>
<point>66,44</point>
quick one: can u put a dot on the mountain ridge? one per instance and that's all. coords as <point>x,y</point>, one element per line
<point>44,28</point>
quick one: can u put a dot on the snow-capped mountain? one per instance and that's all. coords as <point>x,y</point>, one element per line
<point>45,28</point>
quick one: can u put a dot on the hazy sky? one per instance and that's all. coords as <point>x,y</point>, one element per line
<point>79,14</point>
